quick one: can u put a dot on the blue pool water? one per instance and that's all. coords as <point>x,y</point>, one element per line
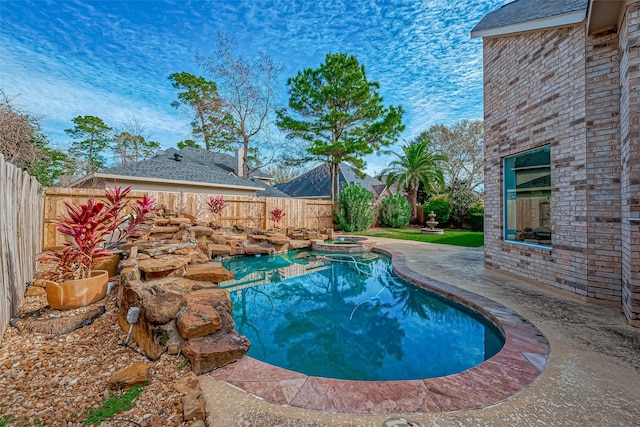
<point>349,317</point>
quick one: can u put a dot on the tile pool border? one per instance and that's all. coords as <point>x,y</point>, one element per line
<point>517,365</point>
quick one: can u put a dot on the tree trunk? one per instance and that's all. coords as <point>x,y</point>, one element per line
<point>412,192</point>
<point>245,155</point>
<point>205,135</point>
<point>333,177</point>
<point>337,179</point>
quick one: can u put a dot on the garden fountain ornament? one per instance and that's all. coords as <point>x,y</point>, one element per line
<point>432,225</point>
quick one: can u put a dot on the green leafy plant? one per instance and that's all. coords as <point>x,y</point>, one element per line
<point>418,165</point>
<point>7,421</point>
<point>339,114</point>
<point>113,405</point>
<point>395,212</point>
<point>276,215</point>
<point>355,209</point>
<point>184,364</point>
<point>94,228</point>
<point>462,199</point>
<point>441,206</point>
<point>476,216</point>
<point>164,338</point>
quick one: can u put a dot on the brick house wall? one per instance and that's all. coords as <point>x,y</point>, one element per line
<point>534,95</point>
<point>630,161</point>
<point>577,93</point>
<point>602,103</point>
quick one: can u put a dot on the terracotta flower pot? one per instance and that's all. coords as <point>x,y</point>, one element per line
<point>109,263</point>
<point>77,293</point>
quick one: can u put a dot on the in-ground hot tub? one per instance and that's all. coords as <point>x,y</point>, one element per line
<point>342,244</point>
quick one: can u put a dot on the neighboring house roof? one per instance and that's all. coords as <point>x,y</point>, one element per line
<point>317,182</point>
<point>268,190</point>
<point>225,162</point>
<point>526,15</point>
<point>193,166</point>
<point>393,188</point>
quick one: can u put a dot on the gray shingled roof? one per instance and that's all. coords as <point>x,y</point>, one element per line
<point>268,190</point>
<point>195,165</point>
<point>223,161</point>
<point>317,182</point>
<point>527,10</point>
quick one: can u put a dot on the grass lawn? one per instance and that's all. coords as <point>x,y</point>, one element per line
<point>471,239</point>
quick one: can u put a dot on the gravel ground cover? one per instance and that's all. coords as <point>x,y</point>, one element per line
<point>51,381</point>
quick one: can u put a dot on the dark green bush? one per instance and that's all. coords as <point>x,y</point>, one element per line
<point>476,216</point>
<point>461,200</point>
<point>355,210</point>
<point>441,206</point>
<point>395,212</point>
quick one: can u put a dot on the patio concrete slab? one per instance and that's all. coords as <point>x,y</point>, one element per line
<point>592,377</point>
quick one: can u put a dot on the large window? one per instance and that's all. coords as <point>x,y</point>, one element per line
<point>527,204</point>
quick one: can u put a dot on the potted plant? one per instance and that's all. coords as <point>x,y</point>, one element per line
<point>93,229</point>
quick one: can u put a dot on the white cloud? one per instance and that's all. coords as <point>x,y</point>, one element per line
<point>112,58</point>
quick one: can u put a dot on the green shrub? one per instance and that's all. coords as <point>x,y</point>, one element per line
<point>395,212</point>
<point>476,216</point>
<point>441,206</point>
<point>355,210</point>
<point>461,200</point>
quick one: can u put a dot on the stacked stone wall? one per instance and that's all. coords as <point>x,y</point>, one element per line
<point>630,160</point>
<point>534,97</point>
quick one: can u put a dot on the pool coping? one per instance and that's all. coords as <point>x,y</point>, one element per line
<point>516,366</point>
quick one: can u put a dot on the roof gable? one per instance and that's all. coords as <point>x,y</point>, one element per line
<point>526,15</point>
<point>317,182</point>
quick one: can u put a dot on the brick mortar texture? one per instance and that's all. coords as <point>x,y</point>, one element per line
<point>561,87</point>
<point>535,96</point>
<point>604,273</point>
<point>630,159</point>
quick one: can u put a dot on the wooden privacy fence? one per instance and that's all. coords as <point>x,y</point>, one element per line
<point>241,210</point>
<point>20,236</point>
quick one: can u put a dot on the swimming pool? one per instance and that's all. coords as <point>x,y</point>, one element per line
<point>349,317</point>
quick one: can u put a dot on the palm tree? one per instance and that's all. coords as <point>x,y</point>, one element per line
<point>418,164</point>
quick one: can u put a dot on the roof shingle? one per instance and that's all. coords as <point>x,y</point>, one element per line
<point>317,182</point>
<point>195,165</point>
<point>527,10</point>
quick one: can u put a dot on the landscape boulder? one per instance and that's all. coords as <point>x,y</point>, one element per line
<point>193,405</point>
<point>197,320</point>
<point>209,272</point>
<point>136,374</point>
<point>163,306</point>
<point>213,351</point>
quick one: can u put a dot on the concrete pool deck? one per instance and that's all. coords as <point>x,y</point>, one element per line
<point>592,377</point>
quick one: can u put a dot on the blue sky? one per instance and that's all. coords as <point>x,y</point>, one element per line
<point>112,59</point>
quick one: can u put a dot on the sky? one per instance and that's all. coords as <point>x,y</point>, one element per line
<point>112,59</point>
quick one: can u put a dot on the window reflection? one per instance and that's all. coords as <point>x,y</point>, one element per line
<point>527,180</point>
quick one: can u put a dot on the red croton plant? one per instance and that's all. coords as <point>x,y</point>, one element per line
<point>94,229</point>
<point>216,205</point>
<point>277,215</point>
